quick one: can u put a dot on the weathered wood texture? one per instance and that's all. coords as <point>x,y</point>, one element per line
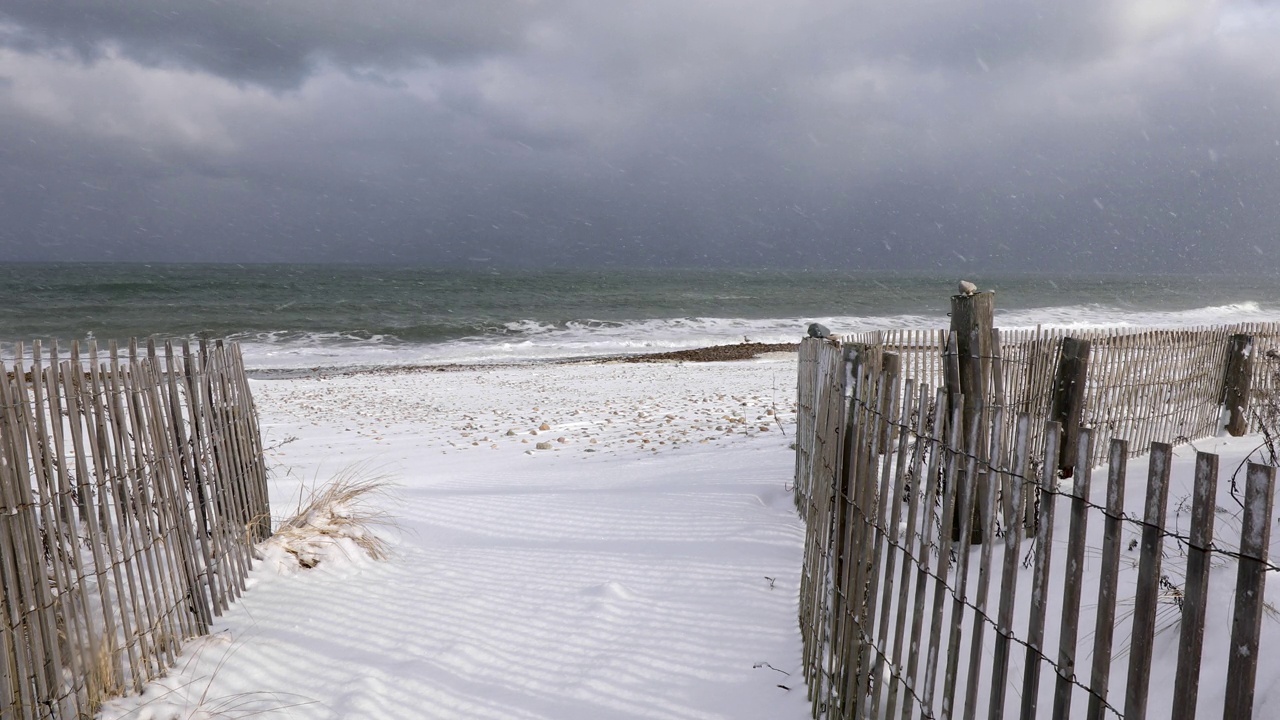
<point>131,489</point>
<point>1069,384</point>
<point>887,594</point>
<point>1237,382</point>
<point>1141,385</point>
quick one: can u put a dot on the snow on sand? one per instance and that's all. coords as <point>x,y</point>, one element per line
<point>574,541</point>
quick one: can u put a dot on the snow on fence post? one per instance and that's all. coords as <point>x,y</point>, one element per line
<point>1237,382</point>
<point>1255,538</point>
<point>1148,590</point>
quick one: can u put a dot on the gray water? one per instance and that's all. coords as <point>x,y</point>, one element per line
<point>303,315</point>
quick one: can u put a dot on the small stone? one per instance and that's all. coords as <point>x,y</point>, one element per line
<point>818,330</point>
<point>544,426</point>
<point>511,433</point>
<point>543,446</point>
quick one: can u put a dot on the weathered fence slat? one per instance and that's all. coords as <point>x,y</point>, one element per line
<point>1075,569</point>
<point>1148,592</point>
<point>54,601</point>
<point>965,494</point>
<point>1186,685</point>
<point>909,495</point>
<point>891,500</point>
<point>947,510</point>
<point>106,652</point>
<point>1104,628</point>
<point>62,543</point>
<point>927,520</point>
<point>1013,525</point>
<point>875,504</point>
<point>1040,576</point>
<point>33,591</point>
<point>991,484</point>
<point>12,562</point>
<point>1251,577</point>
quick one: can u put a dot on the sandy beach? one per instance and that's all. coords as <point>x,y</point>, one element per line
<point>568,541</point>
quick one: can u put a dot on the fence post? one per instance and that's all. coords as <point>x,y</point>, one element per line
<point>971,322</point>
<point>1068,398</point>
<point>1255,538</point>
<point>1237,382</point>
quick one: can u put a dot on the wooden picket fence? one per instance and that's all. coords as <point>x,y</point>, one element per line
<point>1143,384</point>
<point>888,483</point>
<point>132,491</point>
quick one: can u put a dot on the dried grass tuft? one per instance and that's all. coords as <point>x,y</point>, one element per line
<point>337,515</point>
<point>105,680</point>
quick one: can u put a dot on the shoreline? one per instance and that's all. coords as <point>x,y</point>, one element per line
<point>731,352</point>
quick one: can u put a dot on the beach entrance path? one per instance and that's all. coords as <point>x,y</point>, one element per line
<point>570,541</point>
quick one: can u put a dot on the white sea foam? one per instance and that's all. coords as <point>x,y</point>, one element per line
<point>528,341</point>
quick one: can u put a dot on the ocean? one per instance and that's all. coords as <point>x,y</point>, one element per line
<point>297,317</point>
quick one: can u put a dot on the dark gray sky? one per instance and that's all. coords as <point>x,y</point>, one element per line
<point>1133,135</point>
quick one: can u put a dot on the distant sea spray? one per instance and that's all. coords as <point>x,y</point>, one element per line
<point>303,316</point>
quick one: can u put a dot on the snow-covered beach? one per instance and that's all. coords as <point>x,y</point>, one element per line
<point>643,564</point>
<point>597,539</point>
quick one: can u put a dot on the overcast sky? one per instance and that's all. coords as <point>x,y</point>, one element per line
<point>1132,135</point>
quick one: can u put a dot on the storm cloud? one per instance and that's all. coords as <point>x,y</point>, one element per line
<point>1132,135</point>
